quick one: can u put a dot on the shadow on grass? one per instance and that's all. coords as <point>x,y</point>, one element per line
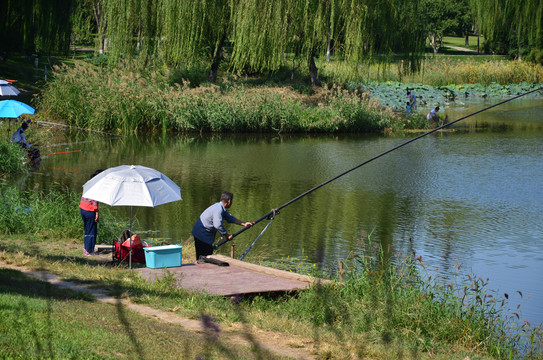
<point>16,282</point>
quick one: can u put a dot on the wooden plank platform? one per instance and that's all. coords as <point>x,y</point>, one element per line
<point>236,279</point>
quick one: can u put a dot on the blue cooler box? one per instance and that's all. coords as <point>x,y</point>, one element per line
<point>157,257</point>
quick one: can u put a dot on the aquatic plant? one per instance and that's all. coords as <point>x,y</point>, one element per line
<point>393,94</point>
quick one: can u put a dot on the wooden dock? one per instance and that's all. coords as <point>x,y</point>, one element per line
<point>238,278</point>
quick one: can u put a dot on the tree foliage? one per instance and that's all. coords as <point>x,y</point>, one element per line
<point>31,26</point>
<point>512,26</point>
<point>445,17</point>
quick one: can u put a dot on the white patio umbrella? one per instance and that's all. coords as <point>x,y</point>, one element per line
<point>6,89</point>
<point>131,185</point>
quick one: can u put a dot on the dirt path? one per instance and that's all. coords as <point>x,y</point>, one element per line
<point>466,50</point>
<point>276,343</point>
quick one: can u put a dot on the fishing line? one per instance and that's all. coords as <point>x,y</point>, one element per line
<point>254,242</point>
<point>276,210</point>
<point>75,127</point>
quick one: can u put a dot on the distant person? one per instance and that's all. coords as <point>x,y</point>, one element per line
<point>210,222</point>
<point>433,114</point>
<point>412,100</point>
<point>421,100</point>
<point>19,137</point>
<point>408,108</point>
<point>89,214</point>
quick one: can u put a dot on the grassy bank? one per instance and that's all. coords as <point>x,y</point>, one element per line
<point>40,321</point>
<point>126,101</point>
<point>385,308</point>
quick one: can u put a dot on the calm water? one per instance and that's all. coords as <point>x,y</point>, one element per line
<point>471,197</point>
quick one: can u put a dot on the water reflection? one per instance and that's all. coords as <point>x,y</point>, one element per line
<point>470,197</point>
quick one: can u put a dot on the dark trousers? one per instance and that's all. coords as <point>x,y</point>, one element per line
<point>91,228</point>
<point>202,249</point>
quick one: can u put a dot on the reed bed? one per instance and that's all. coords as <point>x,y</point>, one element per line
<point>439,71</point>
<point>119,100</point>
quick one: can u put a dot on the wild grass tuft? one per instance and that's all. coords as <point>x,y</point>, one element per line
<point>13,158</point>
<point>391,299</point>
<point>54,213</point>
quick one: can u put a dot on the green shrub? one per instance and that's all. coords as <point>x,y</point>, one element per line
<point>13,158</point>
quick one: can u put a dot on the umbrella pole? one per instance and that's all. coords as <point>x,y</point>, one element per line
<point>130,253</point>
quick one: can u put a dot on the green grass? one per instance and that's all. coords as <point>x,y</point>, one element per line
<point>385,307</point>
<point>460,42</point>
<point>126,101</point>
<point>39,320</point>
<point>12,159</point>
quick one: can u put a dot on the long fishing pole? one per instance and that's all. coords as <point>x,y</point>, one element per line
<point>276,210</point>
<point>48,123</point>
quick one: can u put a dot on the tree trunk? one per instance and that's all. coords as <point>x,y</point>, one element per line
<point>217,57</point>
<point>328,47</point>
<point>466,43</point>
<point>315,81</point>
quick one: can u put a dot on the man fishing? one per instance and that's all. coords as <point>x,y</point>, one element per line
<point>210,221</point>
<point>19,137</point>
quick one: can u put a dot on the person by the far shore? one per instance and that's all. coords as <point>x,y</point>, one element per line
<point>433,115</point>
<point>408,108</point>
<point>412,100</point>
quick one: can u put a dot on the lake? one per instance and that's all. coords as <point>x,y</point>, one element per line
<point>470,197</point>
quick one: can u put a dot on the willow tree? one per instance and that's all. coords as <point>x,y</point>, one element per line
<point>262,31</point>
<point>41,26</point>
<point>192,30</point>
<point>129,28</point>
<point>512,26</point>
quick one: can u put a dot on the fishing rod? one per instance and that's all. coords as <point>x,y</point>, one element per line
<point>270,215</point>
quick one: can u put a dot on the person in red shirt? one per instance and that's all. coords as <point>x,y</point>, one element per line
<point>89,214</point>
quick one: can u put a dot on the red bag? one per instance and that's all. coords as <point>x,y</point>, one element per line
<point>122,248</point>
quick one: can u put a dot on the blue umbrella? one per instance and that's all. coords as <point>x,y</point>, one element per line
<point>14,109</point>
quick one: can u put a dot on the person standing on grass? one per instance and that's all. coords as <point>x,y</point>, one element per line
<point>89,214</point>
<point>210,222</point>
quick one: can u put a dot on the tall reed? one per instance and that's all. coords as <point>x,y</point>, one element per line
<point>53,213</point>
<point>439,71</point>
<point>13,158</point>
<point>392,299</point>
<point>120,100</point>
